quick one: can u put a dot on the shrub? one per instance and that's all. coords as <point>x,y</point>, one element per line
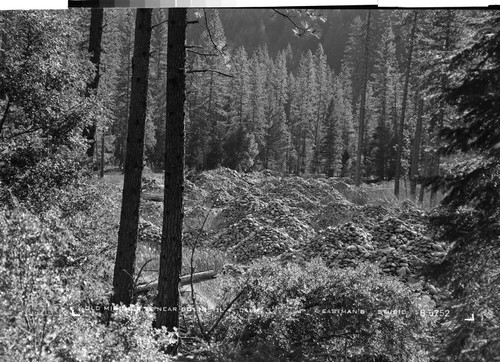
<point>128,337</point>
<point>51,266</point>
<point>34,173</point>
<point>306,313</point>
<point>36,299</point>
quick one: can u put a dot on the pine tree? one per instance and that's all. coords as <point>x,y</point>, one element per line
<point>197,123</point>
<point>107,89</point>
<point>362,109</point>
<point>331,142</point>
<point>44,71</point>
<point>342,99</point>
<point>302,111</point>
<point>123,71</point>
<point>240,88</point>
<point>259,64</point>
<point>214,41</point>
<point>278,139</point>
<point>473,90</point>
<point>401,127</point>
<point>416,148</point>
<point>167,314</point>
<point>95,49</point>
<point>384,86</point>
<point>354,51</point>
<point>439,40</point>
<point>323,94</point>
<point>123,282</point>
<point>155,123</point>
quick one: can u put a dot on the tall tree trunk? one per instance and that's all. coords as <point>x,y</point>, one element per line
<point>416,150</point>
<point>128,92</point>
<point>361,130</point>
<point>444,84</point>
<point>400,137</point>
<point>95,37</point>
<point>167,313</point>
<point>129,218</point>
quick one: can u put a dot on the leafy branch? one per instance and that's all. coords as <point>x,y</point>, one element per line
<point>303,28</point>
<point>216,47</point>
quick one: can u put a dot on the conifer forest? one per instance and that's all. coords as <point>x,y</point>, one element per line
<point>250,185</point>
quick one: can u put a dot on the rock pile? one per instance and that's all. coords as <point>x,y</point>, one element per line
<point>395,232</point>
<point>268,214</point>
<point>396,247</point>
<point>306,194</point>
<point>343,245</point>
<point>249,239</point>
<point>149,234</point>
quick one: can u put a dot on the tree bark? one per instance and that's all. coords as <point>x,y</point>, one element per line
<point>95,37</point>
<point>167,313</point>
<point>361,130</point>
<point>400,137</point>
<point>416,151</point>
<point>129,218</point>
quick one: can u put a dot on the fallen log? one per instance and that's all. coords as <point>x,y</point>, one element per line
<point>184,280</point>
<point>153,197</point>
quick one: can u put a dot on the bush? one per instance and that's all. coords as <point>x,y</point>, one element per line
<point>35,173</point>
<point>129,337</point>
<point>298,313</point>
<point>36,299</point>
<point>51,266</point>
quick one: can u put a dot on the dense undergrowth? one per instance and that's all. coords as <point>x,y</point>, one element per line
<point>297,313</point>
<point>471,273</point>
<point>54,265</point>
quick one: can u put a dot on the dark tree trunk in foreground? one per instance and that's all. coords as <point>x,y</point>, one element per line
<point>95,37</point>
<point>416,151</point>
<point>400,135</point>
<point>129,218</point>
<point>361,130</point>
<point>171,242</point>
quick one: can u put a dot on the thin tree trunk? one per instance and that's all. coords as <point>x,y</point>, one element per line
<point>95,37</point>
<point>421,195</point>
<point>416,150</point>
<point>210,122</point>
<point>426,174</point>
<point>400,137</point>
<point>361,130</point>
<point>5,114</point>
<point>129,218</point>
<point>167,313</point>
<point>101,175</point>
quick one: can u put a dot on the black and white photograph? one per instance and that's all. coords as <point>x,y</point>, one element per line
<point>250,184</point>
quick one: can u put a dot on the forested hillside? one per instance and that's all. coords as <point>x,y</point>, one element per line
<point>261,98</point>
<point>250,185</point>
